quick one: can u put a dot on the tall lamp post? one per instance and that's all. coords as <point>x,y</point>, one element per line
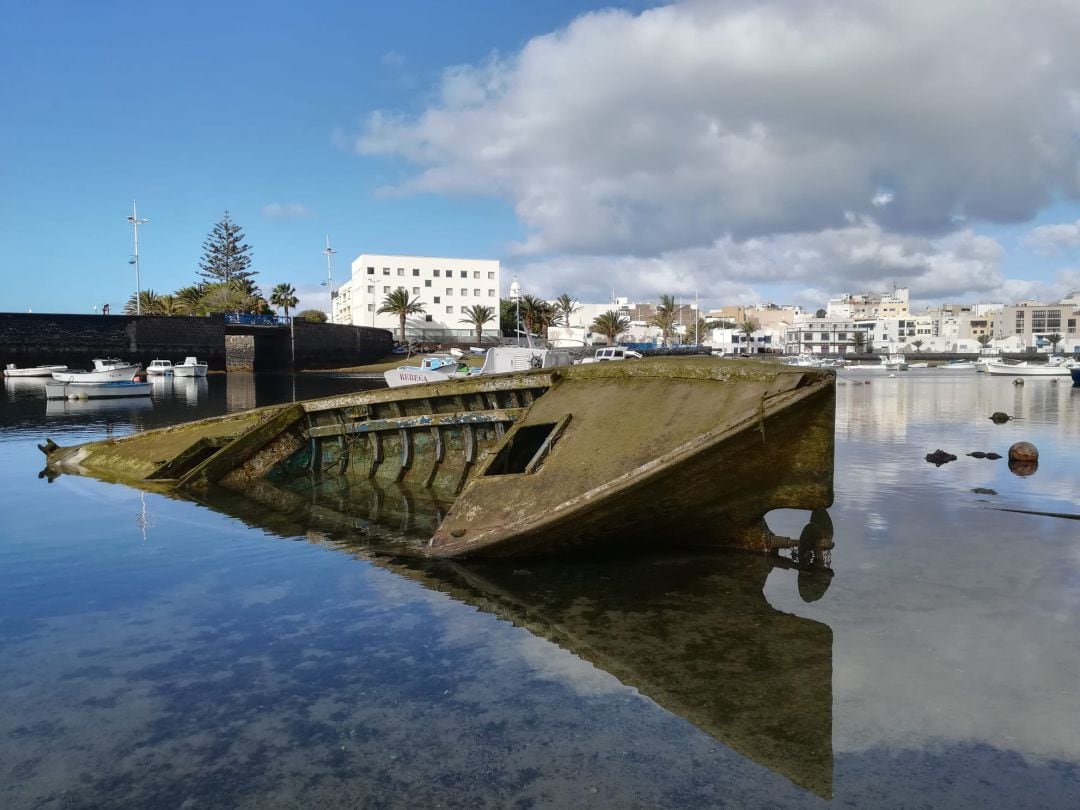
<point>135,223</point>
<point>515,296</point>
<point>330,274</point>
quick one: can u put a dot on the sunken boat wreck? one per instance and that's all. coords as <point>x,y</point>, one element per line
<point>664,452</point>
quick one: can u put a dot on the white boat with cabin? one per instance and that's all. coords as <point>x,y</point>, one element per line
<point>37,371</point>
<point>498,360</point>
<point>104,371</point>
<point>159,367</point>
<point>191,367</point>
<point>894,362</point>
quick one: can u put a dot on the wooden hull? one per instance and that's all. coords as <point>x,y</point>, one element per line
<point>663,451</point>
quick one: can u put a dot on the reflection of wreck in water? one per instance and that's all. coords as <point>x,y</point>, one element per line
<point>694,633</point>
<point>661,451</point>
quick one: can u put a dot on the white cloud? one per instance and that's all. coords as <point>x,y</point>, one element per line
<point>1049,238</point>
<point>664,131</point>
<point>285,211</point>
<point>882,198</point>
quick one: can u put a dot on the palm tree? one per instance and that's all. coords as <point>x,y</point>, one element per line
<point>169,305</point>
<point>284,295</point>
<point>148,303</point>
<point>476,316</point>
<point>748,327</point>
<point>563,308</point>
<point>536,314</point>
<point>610,324</point>
<point>984,340</point>
<point>858,341</point>
<point>1055,339</point>
<point>667,315</point>
<point>397,302</point>
<point>703,329</point>
<point>190,299</point>
<point>918,344</point>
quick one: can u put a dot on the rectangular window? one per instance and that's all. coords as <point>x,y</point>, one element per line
<point>464,291</point>
<point>370,307</point>
<point>386,289</point>
<point>449,310</point>
<point>436,272</point>
<point>427,318</point>
<point>416,271</point>
<point>415,290</point>
<point>491,275</point>
<point>371,288</point>
<point>841,335</point>
<point>371,271</point>
<point>438,299</point>
<point>427,282</point>
<point>386,271</point>
<point>491,293</point>
<point>1053,320</point>
<point>476,274</point>
<point>476,293</point>
<point>401,271</point>
<point>464,274</point>
<point>449,291</point>
<point>824,335</point>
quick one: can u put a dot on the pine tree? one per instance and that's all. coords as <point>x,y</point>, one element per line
<point>226,258</point>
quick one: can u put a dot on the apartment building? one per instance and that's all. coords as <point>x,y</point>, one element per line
<point>444,287</point>
<point>1032,323</point>
<point>859,306</point>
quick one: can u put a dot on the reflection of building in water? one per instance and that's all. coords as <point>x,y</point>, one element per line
<point>239,392</point>
<point>693,633</point>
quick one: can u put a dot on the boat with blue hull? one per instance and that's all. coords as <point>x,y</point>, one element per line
<point>1076,375</point>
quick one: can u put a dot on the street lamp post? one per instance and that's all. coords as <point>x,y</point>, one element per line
<point>515,296</point>
<point>135,223</point>
<point>330,274</point>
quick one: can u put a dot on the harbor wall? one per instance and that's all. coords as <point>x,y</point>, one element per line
<point>31,339</point>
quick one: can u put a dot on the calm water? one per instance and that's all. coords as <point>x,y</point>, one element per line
<point>156,653</point>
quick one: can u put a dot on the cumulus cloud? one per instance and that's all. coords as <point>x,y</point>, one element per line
<point>1050,238</point>
<point>285,211</point>
<point>859,256</point>
<point>660,132</point>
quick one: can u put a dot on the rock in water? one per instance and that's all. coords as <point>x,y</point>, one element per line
<point>939,457</point>
<point>993,456</point>
<point>1024,452</point>
<point>984,491</point>
<point>978,454</point>
<point>999,417</point>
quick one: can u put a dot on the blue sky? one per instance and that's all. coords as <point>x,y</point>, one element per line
<point>266,110</point>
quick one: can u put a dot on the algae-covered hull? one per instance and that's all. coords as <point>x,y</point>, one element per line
<point>665,451</point>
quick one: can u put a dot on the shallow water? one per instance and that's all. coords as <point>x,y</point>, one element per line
<point>156,653</point>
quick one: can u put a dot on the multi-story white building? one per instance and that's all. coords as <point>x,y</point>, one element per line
<point>859,306</point>
<point>444,287</point>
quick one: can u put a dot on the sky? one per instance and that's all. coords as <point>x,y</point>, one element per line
<point>738,150</point>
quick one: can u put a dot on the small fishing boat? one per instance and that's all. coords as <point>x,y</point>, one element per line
<point>498,360</point>
<point>159,368</point>
<point>191,367</point>
<point>37,371</point>
<point>1075,371</point>
<point>102,390</point>
<point>610,353</point>
<point>105,370</point>
<point>1054,367</point>
<point>959,365</point>
<point>894,362</point>
<point>669,450</point>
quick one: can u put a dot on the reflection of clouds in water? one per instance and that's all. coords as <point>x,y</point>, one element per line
<point>549,662</point>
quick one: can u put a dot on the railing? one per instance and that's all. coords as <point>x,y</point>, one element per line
<point>248,319</point>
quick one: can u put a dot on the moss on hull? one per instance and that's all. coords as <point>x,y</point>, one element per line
<point>532,461</point>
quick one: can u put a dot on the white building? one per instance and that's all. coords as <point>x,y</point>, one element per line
<point>444,287</point>
<point>860,306</point>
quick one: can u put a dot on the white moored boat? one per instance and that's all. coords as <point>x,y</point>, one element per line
<point>160,367</point>
<point>500,359</point>
<point>191,367</point>
<point>37,371</point>
<point>894,362</point>
<point>107,370</point>
<point>104,390</point>
<point>1054,367</point>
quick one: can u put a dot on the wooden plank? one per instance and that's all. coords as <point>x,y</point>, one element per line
<point>425,421</point>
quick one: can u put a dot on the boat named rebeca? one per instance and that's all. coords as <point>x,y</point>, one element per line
<point>668,451</point>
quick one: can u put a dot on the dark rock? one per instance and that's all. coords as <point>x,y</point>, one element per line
<point>984,491</point>
<point>978,454</point>
<point>999,417</point>
<point>993,456</point>
<point>1023,468</point>
<point>1024,452</point>
<point>939,457</point>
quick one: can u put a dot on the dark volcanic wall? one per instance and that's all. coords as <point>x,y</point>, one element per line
<point>74,340</point>
<point>324,345</point>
